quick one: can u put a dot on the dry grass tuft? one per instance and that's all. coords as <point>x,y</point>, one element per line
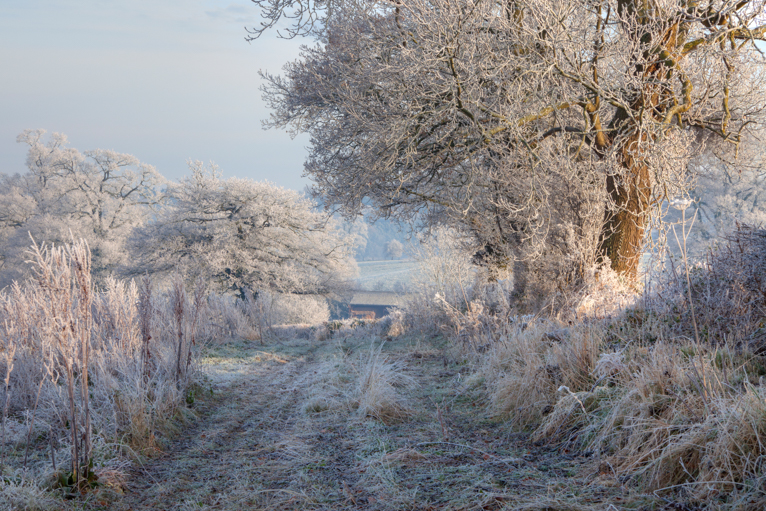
<point>114,478</point>
<point>20,494</point>
<point>571,414</point>
<point>667,408</point>
<point>525,370</point>
<point>403,455</point>
<point>328,388</point>
<point>607,295</point>
<point>670,416</point>
<point>377,391</point>
<point>393,323</point>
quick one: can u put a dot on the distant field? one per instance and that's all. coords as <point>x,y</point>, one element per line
<point>386,275</point>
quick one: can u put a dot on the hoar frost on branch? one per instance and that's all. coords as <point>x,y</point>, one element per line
<point>100,196</point>
<point>244,235</point>
<point>547,130</point>
<point>728,193</point>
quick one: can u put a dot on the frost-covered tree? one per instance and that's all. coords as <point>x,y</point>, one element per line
<point>379,232</point>
<point>99,195</point>
<point>545,129</point>
<point>394,249</point>
<point>728,193</point>
<point>358,230</point>
<point>244,235</point>
<point>444,265</point>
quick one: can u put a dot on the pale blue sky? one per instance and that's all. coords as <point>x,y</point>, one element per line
<point>164,80</point>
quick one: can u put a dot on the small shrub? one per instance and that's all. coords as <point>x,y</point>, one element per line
<point>393,323</point>
<point>288,309</point>
<point>525,370</point>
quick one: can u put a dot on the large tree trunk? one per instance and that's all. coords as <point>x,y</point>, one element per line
<point>622,236</point>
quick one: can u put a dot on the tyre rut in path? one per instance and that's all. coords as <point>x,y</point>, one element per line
<point>213,464</point>
<point>284,434</point>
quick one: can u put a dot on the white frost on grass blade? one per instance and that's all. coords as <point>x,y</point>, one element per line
<point>377,389</point>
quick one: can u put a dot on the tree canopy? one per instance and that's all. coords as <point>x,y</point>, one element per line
<point>394,249</point>
<point>244,235</point>
<point>555,128</point>
<point>238,233</point>
<point>98,195</point>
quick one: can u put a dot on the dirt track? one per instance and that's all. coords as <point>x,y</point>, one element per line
<point>281,431</point>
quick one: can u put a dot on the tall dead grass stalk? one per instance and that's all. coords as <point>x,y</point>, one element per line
<point>685,255</point>
<point>65,299</point>
<point>178,302</point>
<point>145,316</point>
<point>101,370</point>
<point>10,352</point>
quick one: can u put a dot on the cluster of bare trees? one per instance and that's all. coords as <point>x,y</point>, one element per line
<point>96,195</point>
<point>236,234</point>
<point>551,132</point>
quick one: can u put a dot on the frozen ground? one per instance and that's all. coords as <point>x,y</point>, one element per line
<point>395,275</point>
